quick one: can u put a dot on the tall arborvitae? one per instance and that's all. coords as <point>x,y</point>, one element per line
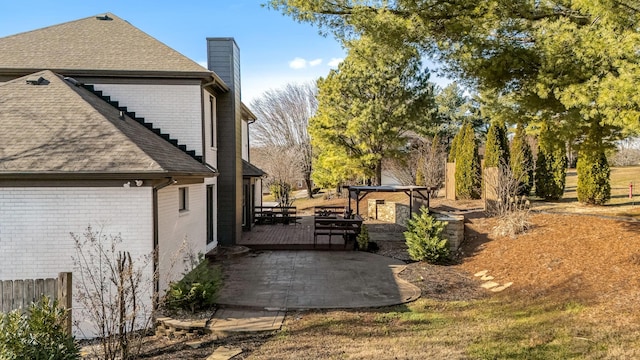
<point>521,160</point>
<point>467,165</point>
<point>496,151</point>
<point>551,166</point>
<point>453,150</point>
<point>593,169</point>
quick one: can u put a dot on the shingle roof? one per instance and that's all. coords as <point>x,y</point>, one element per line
<point>93,46</point>
<point>59,128</point>
<point>250,170</point>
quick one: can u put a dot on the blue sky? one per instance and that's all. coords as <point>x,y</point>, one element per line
<point>274,49</point>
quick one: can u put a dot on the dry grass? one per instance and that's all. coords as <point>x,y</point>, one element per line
<point>512,223</point>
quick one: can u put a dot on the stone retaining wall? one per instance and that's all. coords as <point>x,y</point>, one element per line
<point>396,213</point>
<point>454,231</point>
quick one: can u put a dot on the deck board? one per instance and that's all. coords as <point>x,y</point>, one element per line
<point>290,237</point>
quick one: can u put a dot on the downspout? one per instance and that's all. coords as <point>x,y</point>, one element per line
<point>156,283</point>
<point>249,140</point>
<point>203,126</point>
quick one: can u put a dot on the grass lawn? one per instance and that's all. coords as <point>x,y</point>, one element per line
<point>619,205</point>
<point>495,328</point>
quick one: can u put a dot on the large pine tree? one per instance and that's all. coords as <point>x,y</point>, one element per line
<point>366,107</point>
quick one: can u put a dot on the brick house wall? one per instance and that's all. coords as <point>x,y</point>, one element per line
<point>176,227</point>
<point>163,105</point>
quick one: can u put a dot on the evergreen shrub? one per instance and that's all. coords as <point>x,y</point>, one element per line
<point>521,160</point>
<point>36,334</point>
<point>467,175</point>
<point>593,178</point>
<point>424,239</point>
<point>197,290</point>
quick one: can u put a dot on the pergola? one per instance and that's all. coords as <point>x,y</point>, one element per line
<point>359,192</point>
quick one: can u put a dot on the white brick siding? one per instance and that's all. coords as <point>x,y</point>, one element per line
<point>35,226</point>
<point>175,227</point>
<point>175,109</point>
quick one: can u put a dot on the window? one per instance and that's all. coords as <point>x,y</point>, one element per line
<point>214,123</point>
<point>183,199</point>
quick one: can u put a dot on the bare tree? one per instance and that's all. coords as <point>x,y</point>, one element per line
<point>283,117</point>
<point>281,165</point>
<point>422,163</point>
<point>627,153</point>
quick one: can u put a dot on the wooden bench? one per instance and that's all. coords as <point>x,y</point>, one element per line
<point>276,215</point>
<point>346,228</point>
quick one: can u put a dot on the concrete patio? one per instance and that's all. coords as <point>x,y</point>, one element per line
<point>287,280</point>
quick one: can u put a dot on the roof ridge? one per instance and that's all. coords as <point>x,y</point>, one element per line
<point>92,44</point>
<point>52,26</point>
<point>161,42</point>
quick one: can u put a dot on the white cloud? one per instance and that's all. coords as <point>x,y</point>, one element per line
<point>298,63</point>
<point>334,62</point>
<point>315,62</point>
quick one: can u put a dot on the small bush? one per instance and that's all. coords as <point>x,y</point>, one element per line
<point>363,239</point>
<point>37,334</point>
<point>197,290</point>
<point>424,239</point>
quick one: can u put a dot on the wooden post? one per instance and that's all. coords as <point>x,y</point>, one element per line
<point>65,299</point>
<point>450,181</point>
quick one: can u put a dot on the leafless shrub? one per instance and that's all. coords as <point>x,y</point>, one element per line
<point>111,289</point>
<point>502,201</point>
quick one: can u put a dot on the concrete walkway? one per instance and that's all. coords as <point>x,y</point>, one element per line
<point>287,280</point>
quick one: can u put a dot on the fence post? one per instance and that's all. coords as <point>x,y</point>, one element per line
<point>65,299</point>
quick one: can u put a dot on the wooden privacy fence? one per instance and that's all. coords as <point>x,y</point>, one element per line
<point>19,294</point>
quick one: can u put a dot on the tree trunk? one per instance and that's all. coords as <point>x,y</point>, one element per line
<point>378,178</point>
<point>307,180</point>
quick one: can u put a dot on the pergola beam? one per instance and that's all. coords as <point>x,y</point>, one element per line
<point>408,190</point>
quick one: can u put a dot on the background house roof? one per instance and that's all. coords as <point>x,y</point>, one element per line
<point>102,44</point>
<point>56,127</point>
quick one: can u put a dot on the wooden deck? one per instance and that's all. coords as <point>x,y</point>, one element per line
<point>290,237</point>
